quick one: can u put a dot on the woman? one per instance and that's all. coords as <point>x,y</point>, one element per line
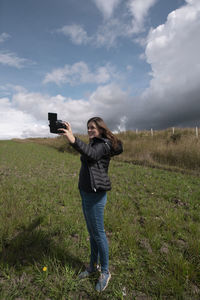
<point>93,185</point>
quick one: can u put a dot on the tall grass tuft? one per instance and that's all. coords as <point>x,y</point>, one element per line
<point>181,149</point>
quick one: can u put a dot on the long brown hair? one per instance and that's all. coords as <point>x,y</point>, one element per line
<point>105,131</point>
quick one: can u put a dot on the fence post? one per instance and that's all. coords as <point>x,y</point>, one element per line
<point>136,131</point>
<point>151,131</point>
<point>197,132</point>
<point>173,130</point>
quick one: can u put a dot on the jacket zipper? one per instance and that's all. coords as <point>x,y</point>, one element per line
<point>92,181</point>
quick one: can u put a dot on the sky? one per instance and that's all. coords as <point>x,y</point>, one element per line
<point>135,63</point>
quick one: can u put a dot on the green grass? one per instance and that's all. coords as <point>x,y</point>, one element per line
<point>152,222</point>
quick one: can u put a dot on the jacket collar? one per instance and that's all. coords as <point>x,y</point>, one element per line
<point>97,139</point>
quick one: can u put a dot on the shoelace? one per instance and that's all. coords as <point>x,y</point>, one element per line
<point>102,277</point>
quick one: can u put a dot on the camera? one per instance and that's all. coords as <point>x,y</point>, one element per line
<point>55,124</point>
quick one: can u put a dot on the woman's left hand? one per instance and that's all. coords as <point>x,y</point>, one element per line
<point>67,132</point>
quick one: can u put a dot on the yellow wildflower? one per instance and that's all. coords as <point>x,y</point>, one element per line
<point>44,269</point>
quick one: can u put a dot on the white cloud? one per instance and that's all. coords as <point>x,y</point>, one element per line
<point>129,21</point>
<point>12,60</point>
<point>111,103</point>
<point>10,88</point>
<point>172,98</point>
<point>107,7</point>
<point>173,48</point>
<point>3,37</point>
<point>108,33</point>
<point>38,105</point>
<point>14,122</point>
<point>79,73</point>
<point>122,124</point>
<point>129,68</point>
<point>9,58</point>
<point>77,34</point>
<point>173,52</point>
<point>25,114</point>
<point>139,10</point>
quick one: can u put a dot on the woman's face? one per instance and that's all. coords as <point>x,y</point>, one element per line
<point>93,131</point>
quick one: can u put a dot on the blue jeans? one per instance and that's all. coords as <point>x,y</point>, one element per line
<point>93,208</point>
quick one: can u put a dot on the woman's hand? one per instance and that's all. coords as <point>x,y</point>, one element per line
<point>67,132</point>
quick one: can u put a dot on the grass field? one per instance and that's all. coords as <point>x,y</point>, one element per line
<point>152,222</point>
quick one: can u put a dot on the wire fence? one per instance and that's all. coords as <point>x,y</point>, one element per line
<point>173,131</point>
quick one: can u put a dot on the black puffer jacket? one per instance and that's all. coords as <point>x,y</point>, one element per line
<point>95,159</point>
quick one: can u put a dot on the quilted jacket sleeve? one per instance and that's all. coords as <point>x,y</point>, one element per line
<point>94,151</point>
